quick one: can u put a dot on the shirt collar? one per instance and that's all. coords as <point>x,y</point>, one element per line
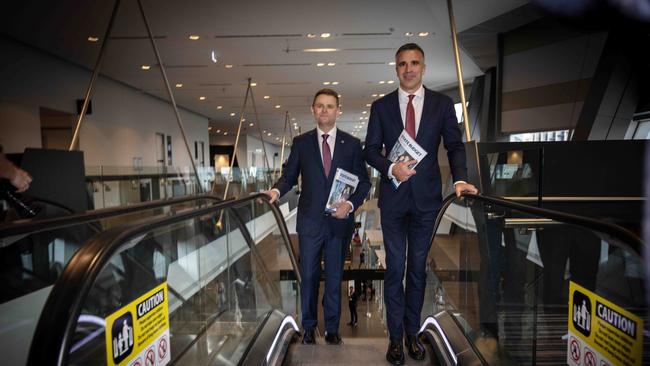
<point>404,96</point>
<point>332,134</point>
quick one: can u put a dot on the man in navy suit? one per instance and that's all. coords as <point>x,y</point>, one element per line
<point>408,213</point>
<point>315,156</point>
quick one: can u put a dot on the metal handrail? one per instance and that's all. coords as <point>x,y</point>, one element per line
<point>625,238</point>
<point>31,226</point>
<point>56,325</point>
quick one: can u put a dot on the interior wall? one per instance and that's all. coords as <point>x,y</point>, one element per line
<point>547,70</point>
<point>123,122</point>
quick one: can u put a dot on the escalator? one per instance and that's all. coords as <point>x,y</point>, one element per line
<point>33,255</point>
<point>209,286</point>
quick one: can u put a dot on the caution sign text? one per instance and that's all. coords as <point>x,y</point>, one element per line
<point>138,333</point>
<point>601,332</point>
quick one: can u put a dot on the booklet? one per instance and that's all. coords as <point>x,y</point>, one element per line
<point>406,149</point>
<point>345,183</point>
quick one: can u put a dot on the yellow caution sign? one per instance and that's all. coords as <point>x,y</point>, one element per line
<point>601,333</point>
<point>138,333</point>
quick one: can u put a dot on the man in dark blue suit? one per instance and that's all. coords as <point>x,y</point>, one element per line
<point>315,156</point>
<point>408,212</point>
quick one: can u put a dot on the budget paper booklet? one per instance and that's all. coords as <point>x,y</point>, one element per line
<point>406,149</point>
<point>345,183</point>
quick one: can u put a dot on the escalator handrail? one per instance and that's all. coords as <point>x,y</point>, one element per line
<point>626,239</point>
<point>55,326</point>
<point>31,226</point>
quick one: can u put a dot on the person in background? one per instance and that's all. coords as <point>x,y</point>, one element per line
<point>352,303</point>
<point>16,176</point>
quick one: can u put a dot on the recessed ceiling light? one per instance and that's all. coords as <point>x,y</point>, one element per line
<point>368,105</point>
<point>209,128</point>
<point>213,57</point>
<point>218,131</point>
<point>335,83</point>
<point>382,82</point>
<point>392,63</point>
<point>364,112</point>
<point>179,85</point>
<point>228,66</point>
<point>408,34</point>
<point>340,113</point>
<point>194,37</point>
<point>243,119</point>
<point>390,81</point>
<point>325,35</point>
<point>340,96</point>
<point>331,64</point>
<point>311,35</point>
<point>360,117</point>
<point>320,50</point>
<point>93,39</point>
<point>219,107</point>
<point>269,134</point>
<point>145,67</point>
<point>251,124</point>
<point>295,127</point>
<point>201,98</point>
<point>267,97</point>
<point>277,106</point>
<point>232,114</point>
<point>277,139</point>
<point>320,64</point>
<point>326,83</point>
<point>263,131</point>
<point>423,34</point>
<point>253,84</point>
<point>293,119</point>
<point>374,95</point>
<point>381,95</point>
<point>225,133</point>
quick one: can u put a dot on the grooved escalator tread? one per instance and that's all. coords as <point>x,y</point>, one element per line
<point>353,351</point>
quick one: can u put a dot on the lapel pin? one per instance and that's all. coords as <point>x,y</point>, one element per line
<point>342,141</point>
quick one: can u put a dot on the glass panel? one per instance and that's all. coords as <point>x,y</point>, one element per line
<point>222,282</point>
<point>506,274</point>
<point>30,264</point>
<point>514,173</point>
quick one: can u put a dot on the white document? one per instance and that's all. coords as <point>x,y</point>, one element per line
<point>406,149</point>
<point>344,185</point>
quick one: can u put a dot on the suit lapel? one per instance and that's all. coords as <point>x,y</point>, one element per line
<point>426,119</point>
<point>316,151</point>
<point>339,145</point>
<point>396,115</point>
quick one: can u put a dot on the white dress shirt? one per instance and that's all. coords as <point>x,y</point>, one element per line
<point>418,102</point>
<point>331,141</point>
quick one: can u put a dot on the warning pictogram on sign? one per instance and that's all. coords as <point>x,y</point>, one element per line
<point>575,350</point>
<point>162,348</point>
<point>590,358</point>
<point>150,357</point>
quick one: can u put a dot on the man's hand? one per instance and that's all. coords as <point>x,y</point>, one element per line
<point>402,172</point>
<point>272,194</point>
<point>342,209</point>
<point>464,188</point>
<point>20,179</point>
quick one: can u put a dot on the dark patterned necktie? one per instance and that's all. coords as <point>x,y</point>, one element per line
<point>327,155</point>
<point>410,117</point>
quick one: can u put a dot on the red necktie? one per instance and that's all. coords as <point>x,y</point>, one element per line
<point>327,155</point>
<point>410,117</point>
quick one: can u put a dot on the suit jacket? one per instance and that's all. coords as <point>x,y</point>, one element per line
<point>438,120</point>
<point>305,160</point>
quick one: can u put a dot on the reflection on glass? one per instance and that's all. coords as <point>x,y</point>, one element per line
<point>505,275</point>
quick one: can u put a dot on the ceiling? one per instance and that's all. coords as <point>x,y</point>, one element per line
<point>262,40</point>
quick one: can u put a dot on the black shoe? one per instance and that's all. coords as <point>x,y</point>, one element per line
<point>333,338</point>
<point>395,353</point>
<point>308,337</point>
<point>414,347</point>
<point>349,323</point>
